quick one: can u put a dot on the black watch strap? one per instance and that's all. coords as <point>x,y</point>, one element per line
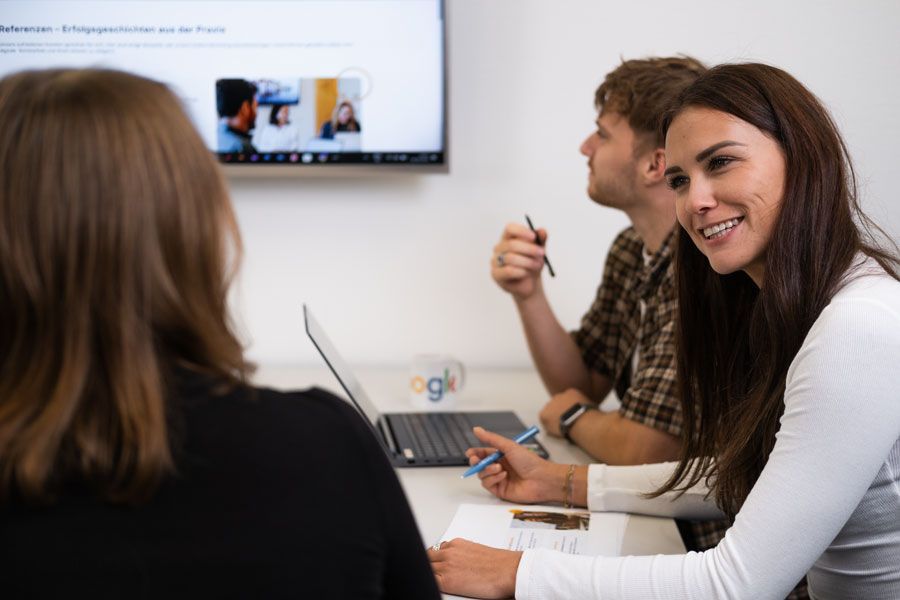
<point>572,414</point>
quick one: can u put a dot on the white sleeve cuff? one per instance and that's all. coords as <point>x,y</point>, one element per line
<point>622,489</point>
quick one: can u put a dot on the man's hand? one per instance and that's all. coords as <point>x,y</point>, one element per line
<point>465,568</point>
<point>517,260</point>
<point>557,405</point>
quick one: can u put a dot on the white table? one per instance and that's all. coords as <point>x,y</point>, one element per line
<point>435,492</point>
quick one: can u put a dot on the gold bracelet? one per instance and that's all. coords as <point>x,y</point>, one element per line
<point>569,488</point>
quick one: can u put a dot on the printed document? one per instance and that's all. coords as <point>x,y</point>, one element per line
<point>573,531</point>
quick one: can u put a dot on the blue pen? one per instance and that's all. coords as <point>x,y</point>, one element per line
<point>489,460</point>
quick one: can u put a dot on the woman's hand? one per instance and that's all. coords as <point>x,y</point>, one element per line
<point>465,568</point>
<point>521,475</point>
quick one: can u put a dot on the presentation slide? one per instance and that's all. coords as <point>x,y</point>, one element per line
<point>264,81</point>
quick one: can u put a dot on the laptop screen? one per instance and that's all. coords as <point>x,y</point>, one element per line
<point>339,367</point>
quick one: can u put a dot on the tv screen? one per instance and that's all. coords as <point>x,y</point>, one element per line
<point>268,83</point>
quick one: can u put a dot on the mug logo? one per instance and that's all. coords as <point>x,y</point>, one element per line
<point>436,386</point>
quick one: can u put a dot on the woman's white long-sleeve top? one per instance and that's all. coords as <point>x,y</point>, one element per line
<point>826,503</point>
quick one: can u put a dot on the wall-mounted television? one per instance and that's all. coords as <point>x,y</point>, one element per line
<point>281,86</point>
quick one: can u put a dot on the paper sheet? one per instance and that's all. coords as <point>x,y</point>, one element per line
<point>511,527</point>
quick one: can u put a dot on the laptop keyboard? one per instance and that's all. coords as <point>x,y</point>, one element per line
<point>441,439</point>
<point>440,435</point>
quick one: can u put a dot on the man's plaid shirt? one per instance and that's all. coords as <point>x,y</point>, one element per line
<point>614,326</point>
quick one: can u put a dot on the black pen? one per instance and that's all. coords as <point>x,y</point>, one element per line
<point>540,243</point>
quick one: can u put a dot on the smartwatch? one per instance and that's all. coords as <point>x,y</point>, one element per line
<point>572,414</point>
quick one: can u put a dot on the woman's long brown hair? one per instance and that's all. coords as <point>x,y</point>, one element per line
<point>735,341</point>
<point>353,125</point>
<point>115,236</point>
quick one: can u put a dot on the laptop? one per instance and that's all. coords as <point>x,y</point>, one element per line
<point>416,439</point>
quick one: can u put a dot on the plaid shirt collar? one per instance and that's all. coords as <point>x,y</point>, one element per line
<point>654,273</point>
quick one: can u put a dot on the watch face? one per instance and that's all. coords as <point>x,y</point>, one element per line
<point>572,413</point>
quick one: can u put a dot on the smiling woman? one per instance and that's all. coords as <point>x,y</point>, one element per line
<point>788,333</point>
<point>728,178</point>
<point>750,143</point>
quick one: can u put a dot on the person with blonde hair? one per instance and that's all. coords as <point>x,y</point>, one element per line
<point>136,460</point>
<point>343,120</point>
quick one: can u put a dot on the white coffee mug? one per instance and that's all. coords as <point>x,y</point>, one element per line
<point>435,381</point>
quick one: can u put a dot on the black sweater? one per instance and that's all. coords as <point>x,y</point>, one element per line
<point>276,495</point>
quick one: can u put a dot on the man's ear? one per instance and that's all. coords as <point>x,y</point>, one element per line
<point>654,166</point>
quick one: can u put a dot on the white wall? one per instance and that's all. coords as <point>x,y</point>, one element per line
<point>395,265</point>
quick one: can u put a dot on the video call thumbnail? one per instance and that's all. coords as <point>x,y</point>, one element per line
<point>319,115</point>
